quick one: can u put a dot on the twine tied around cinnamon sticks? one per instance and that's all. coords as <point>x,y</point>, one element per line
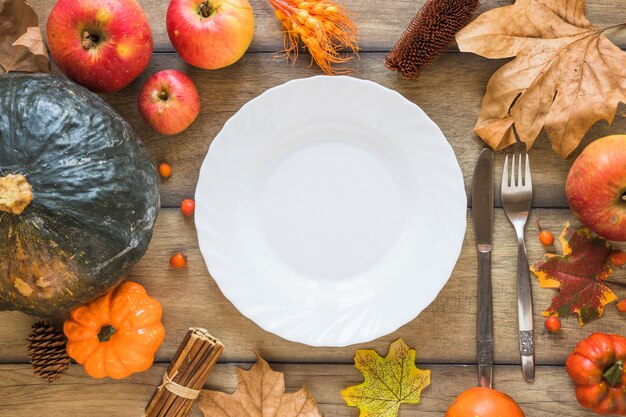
<point>185,392</point>
<point>181,384</point>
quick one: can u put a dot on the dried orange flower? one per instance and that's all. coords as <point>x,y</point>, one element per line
<point>324,28</point>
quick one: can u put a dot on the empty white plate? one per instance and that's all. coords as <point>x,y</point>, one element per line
<point>330,210</point>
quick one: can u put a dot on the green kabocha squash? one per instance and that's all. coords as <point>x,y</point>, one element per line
<point>78,195</point>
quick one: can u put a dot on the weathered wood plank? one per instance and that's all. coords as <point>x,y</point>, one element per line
<point>444,331</point>
<point>380,25</point>
<point>450,92</point>
<point>77,395</point>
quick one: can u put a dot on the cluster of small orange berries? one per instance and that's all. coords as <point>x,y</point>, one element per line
<point>187,207</point>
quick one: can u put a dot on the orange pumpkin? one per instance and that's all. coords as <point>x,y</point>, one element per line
<point>117,334</point>
<point>484,402</point>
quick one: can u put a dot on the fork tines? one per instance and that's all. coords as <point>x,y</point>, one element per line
<point>518,181</point>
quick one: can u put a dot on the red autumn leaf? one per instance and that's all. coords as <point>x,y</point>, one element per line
<point>579,274</point>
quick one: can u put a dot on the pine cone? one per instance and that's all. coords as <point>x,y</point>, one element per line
<point>46,351</point>
<point>430,32</point>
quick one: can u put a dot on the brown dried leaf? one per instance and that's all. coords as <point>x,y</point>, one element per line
<point>566,75</point>
<point>260,393</point>
<point>21,44</point>
<point>33,40</point>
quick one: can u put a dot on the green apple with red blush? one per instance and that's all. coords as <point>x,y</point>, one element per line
<point>169,102</point>
<point>101,44</point>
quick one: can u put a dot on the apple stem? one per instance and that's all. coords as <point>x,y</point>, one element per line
<point>89,40</point>
<point>205,9</point>
<point>163,95</point>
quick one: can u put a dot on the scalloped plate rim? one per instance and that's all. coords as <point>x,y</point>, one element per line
<point>232,292</point>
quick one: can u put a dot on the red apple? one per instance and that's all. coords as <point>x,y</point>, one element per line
<point>210,34</point>
<point>596,187</point>
<point>101,44</point>
<point>169,102</point>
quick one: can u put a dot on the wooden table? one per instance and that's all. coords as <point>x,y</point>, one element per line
<point>450,92</point>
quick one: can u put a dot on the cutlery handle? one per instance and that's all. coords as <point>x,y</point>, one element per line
<point>484,323</point>
<point>525,313</point>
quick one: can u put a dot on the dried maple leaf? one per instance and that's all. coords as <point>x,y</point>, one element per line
<point>566,75</point>
<point>389,381</point>
<point>260,393</point>
<point>579,274</point>
<point>21,44</point>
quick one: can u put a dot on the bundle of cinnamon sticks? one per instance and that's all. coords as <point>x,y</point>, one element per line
<point>183,380</point>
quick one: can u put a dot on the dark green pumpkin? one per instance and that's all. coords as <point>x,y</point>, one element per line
<point>95,195</point>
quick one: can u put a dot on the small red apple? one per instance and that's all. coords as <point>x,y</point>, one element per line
<point>210,34</point>
<point>169,102</point>
<point>596,187</point>
<point>101,44</point>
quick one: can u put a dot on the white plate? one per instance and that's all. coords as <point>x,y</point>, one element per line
<point>330,210</point>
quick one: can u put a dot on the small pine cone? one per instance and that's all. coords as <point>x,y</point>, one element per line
<point>46,351</point>
<point>430,32</point>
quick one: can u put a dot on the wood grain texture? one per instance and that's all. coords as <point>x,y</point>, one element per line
<point>449,91</point>
<point>379,25</point>
<point>443,333</point>
<point>77,395</point>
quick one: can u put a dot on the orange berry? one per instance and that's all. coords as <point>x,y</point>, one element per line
<point>165,170</point>
<point>617,257</point>
<point>553,324</point>
<point>546,238</point>
<point>621,306</point>
<point>188,206</point>
<point>178,260</point>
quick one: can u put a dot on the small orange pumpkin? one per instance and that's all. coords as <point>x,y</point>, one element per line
<point>484,402</point>
<point>116,334</point>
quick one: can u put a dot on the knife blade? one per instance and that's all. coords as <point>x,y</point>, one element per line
<point>482,213</point>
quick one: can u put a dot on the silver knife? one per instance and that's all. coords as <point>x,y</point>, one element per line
<point>482,212</point>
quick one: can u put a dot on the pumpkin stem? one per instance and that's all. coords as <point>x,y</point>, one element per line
<point>15,193</point>
<point>614,374</point>
<point>105,333</point>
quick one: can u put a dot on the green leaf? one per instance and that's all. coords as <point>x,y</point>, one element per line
<point>389,381</point>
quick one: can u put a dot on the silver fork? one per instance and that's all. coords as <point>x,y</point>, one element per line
<point>517,200</point>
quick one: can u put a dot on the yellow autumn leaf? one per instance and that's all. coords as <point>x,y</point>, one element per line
<point>389,381</point>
